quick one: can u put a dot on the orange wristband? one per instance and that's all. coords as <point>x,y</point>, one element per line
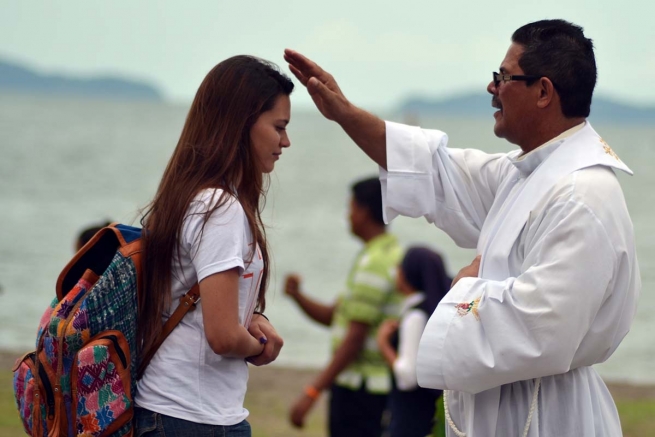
<point>312,392</point>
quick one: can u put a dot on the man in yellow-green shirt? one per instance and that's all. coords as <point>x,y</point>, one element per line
<point>357,376</point>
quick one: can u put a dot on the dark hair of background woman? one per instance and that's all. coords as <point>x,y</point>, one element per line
<point>425,271</point>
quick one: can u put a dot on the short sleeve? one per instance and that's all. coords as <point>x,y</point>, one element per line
<point>221,243</point>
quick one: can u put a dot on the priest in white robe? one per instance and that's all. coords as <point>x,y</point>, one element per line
<point>554,288</point>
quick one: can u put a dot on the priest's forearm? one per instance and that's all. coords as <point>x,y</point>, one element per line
<point>367,131</point>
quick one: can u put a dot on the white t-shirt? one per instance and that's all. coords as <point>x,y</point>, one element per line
<point>185,378</point>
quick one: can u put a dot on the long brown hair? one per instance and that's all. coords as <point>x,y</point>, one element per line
<point>213,151</point>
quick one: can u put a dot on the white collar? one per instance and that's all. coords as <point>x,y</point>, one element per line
<point>411,301</point>
<point>528,162</point>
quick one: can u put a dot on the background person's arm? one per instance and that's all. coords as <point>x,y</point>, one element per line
<point>317,311</point>
<point>386,329</point>
<point>345,354</point>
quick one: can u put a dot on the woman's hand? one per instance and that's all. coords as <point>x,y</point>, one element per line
<point>261,329</point>
<point>386,329</point>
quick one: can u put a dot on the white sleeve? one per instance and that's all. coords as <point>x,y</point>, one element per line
<point>452,188</point>
<point>410,331</point>
<point>487,333</point>
<point>220,245</point>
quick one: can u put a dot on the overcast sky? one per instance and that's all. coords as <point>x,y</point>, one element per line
<point>379,51</point>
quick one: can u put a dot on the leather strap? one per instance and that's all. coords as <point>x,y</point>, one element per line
<point>187,303</point>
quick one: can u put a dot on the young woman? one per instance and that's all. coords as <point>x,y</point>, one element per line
<point>423,280</point>
<point>204,226</point>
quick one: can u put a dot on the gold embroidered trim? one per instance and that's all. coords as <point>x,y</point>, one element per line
<point>608,150</point>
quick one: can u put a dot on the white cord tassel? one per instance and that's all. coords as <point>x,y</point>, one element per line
<point>533,406</point>
<point>446,413</point>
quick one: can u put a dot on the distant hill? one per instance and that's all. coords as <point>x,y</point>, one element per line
<point>475,105</point>
<point>19,79</point>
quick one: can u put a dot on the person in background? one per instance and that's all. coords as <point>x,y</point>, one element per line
<point>357,376</point>
<point>204,226</point>
<point>423,281</point>
<point>86,234</point>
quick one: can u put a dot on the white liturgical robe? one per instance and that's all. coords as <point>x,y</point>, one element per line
<point>558,282</point>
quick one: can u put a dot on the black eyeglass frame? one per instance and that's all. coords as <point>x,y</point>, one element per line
<point>504,77</point>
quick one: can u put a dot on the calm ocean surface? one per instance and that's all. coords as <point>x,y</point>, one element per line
<point>67,163</point>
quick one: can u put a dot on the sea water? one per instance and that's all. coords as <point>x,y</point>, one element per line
<point>68,163</point>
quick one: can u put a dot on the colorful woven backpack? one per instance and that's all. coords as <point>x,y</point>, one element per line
<point>81,379</point>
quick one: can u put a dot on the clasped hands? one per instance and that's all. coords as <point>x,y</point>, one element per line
<point>260,328</point>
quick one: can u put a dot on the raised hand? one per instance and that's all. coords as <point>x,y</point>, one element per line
<point>292,286</point>
<point>320,84</point>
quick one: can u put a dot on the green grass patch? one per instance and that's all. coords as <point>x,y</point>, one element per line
<point>10,424</point>
<point>269,412</point>
<point>637,417</point>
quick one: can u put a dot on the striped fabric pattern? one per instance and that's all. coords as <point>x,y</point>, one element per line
<point>113,304</point>
<point>369,298</point>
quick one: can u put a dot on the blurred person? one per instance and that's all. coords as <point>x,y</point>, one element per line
<point>204,226</point>
<point>423,281</point>
<point>87,233</point>
<point>554,287</point>
<point>357,376</point>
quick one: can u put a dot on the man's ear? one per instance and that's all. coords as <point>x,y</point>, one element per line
<point>546,92</point>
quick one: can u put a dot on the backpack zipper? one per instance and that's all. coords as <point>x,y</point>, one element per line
<point>40,378</point>
<point>47,386</point>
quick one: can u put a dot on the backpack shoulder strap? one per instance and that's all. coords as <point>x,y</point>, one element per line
<point>187,303</point>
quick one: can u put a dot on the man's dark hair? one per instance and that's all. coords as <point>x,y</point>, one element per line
<point>559,51</point>
<point>368,194</point>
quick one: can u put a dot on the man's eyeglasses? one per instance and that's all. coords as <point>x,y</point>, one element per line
<point>503,77</point>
